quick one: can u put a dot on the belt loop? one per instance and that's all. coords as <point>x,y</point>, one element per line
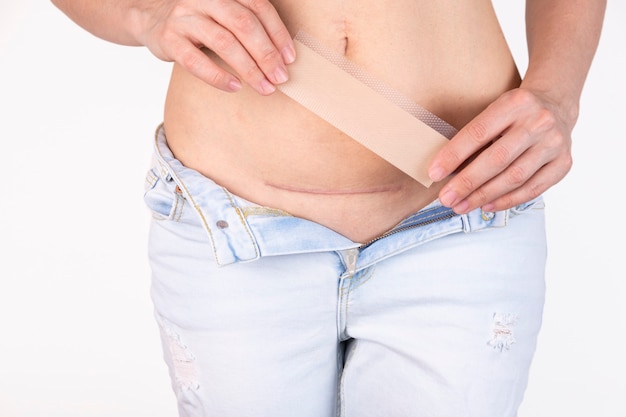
<point>500,218</point>
<point>467,224</point>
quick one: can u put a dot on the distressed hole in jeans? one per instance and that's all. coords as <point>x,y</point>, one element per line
<point>183,360</point>
<point>502,336</point>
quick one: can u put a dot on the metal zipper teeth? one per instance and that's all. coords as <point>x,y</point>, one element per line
<point>414,226</point>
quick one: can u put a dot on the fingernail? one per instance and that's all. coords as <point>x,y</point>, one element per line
<point>267,87</point>
<point>289,55</point>
<point>436,173</point>
<point>280,74</point>
<point>234,85</point>
<point>448,199</point>
<point>488,207</point>
<point>462,207</point>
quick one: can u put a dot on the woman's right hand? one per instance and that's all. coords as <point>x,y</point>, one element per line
<point>248,35</point>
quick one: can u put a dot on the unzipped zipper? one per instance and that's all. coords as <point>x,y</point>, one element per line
<point>446,216</point>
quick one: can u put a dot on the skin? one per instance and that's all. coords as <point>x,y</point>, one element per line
<point>514,140</point>
<point>535,120</point>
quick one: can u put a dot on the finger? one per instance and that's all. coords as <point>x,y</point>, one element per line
<point>246,29</point>
<point>196,62</point>
<point>478,133</point>
<point>274,27</point>
<point>224,44</point>
<point>491,162</point>
<point>515,175</point>
<point>529,176</point>
<point>538,184</point>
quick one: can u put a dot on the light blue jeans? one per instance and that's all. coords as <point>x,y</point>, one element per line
<point>268,315</point>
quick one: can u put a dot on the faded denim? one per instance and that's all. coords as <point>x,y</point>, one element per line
<point>268,315</point>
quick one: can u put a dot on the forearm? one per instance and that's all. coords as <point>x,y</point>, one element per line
<point>562,39</point>
<point>117,21</point>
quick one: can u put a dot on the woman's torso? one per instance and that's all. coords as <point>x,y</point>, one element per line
<point>449,56</point>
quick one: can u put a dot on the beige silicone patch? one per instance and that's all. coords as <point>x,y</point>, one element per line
<point>375,115</point>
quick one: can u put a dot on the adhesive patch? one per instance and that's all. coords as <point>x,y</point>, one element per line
<point>364,108</point>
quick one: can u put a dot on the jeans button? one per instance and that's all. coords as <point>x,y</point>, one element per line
<point>487,215</point>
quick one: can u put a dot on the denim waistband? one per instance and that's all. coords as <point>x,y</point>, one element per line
<point>241,231</point>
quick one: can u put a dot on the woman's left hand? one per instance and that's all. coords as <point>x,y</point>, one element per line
<point>512,152</point>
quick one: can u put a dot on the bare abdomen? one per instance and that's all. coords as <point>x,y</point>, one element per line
<point>449,57</point>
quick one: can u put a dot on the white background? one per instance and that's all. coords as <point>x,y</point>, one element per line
<point>77,338</point>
